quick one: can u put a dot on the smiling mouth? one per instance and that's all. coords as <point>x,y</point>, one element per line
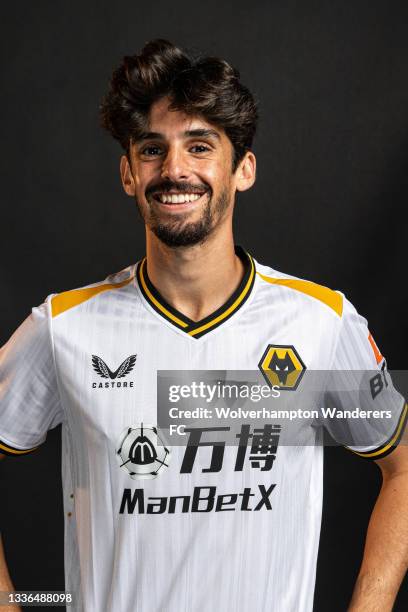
<point>178,198</point>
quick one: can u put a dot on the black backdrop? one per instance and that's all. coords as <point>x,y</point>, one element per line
<point>329,203</point>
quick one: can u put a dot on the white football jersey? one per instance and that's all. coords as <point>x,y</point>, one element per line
<point>160,528</point>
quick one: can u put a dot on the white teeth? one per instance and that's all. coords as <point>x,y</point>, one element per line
<point>180,198</point>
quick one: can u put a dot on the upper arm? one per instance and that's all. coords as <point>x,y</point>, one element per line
<point>29,398</point>
<point>372,413</point>
<point>396,462</point>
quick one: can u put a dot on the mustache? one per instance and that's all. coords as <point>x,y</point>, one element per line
<point>182,187</point>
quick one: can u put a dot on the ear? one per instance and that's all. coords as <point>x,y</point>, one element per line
<point>128,181</point>
<point>246,172</point>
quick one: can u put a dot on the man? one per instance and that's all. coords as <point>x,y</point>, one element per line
<point>196,527</point>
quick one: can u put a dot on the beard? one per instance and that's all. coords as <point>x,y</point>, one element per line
<point>181,233</point>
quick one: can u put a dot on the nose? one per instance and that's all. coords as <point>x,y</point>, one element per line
<point>175,166</point>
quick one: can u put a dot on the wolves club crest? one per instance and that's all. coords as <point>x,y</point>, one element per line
<point>282,366</point>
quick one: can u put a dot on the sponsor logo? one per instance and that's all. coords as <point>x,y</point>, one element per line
<point>379,381</point>
<point>376,350</point>
<point>203,499</point>
<point>282,367</point>
<point>104,371</point>
<point>142,452</point>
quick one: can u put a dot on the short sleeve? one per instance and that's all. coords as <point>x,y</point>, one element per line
<point>367,414</point>
<point>29,399</point>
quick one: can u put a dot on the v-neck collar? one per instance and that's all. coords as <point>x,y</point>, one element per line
<point>196,329</point>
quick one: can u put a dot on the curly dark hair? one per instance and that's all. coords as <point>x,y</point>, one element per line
<point>205,86</point>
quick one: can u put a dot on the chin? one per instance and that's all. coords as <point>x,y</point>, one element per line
<point>190,235</point>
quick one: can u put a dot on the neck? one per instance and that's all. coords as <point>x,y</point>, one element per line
<point>195,280</point>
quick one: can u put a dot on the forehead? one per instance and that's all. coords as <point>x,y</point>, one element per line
<point>175,123</point>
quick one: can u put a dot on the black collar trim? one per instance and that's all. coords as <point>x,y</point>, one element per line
<point>196,329</point>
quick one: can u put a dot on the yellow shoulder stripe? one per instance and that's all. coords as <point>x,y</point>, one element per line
<point>68,299</point>
<point>329,297</point>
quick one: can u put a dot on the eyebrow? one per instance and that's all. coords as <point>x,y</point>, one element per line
<point>202,133</point>
<point>197,133</point>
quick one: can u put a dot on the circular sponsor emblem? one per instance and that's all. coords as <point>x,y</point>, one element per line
<point>142,452</point>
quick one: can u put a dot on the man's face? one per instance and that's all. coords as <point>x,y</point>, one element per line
<point>181,176</point>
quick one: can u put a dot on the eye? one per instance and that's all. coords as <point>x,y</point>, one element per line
<point>199,148</point>
<point>151,150</point>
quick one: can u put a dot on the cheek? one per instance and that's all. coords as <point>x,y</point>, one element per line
<point>223,179</point>
<point>218,175</point>
<point>142,178</point>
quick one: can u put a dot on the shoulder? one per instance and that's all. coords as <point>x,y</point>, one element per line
<point>62,302</point>
<point>303,292</point>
